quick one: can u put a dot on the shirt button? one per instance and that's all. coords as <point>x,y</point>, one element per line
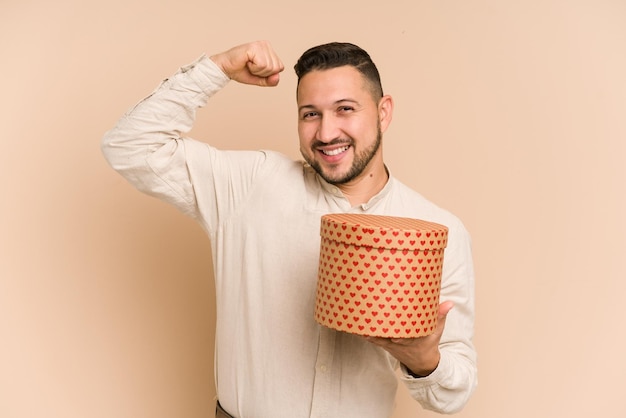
<point>323,368</point>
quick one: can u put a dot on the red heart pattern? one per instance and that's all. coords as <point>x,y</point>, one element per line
<point>379,275</point>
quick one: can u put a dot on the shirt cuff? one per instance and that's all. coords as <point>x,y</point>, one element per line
<point>436,376</point>
<point>206,74</point>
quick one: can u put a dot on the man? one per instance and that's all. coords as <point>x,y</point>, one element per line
<point>262,213</point>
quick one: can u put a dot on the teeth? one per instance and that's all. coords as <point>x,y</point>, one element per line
<point>335,151</point>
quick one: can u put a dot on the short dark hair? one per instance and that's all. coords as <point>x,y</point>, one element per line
<point>339,54</point>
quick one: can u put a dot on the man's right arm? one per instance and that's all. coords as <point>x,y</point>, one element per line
<point>146,145</point>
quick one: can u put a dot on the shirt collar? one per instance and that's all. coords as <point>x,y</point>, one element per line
<point>337,193</point>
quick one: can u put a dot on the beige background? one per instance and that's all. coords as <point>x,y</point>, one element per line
<point>509,113</point>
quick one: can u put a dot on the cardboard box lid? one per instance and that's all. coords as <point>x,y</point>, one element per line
<point>380,231</point>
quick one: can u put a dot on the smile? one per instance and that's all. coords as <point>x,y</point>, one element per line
<point>335,151</point>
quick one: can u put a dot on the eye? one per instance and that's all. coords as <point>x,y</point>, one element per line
<point>345,109</point>
<point>309,115</point>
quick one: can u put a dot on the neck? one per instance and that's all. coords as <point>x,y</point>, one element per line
<point>367,185</point>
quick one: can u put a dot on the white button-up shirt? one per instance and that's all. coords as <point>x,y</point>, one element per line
<point>262,213</point>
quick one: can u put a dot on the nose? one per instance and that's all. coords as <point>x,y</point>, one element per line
<point>327,129</point>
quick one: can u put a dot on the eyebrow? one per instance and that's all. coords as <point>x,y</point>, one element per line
<point>310,106</point>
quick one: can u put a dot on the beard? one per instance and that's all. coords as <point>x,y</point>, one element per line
<point>361,160</point>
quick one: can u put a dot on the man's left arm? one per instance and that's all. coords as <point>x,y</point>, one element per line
<point>440,369</point>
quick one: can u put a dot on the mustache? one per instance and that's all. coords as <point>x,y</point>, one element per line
<point>338,141</point>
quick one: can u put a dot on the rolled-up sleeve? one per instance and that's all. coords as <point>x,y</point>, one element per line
<point>147,147</point>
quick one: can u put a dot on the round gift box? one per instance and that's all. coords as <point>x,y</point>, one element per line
<point>379,275</point>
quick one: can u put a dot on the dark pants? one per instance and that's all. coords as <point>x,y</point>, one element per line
<point>220,413</point>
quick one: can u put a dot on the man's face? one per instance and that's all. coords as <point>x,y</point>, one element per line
<point>338,124</point>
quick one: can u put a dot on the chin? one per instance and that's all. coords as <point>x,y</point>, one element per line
<point>336,179</point>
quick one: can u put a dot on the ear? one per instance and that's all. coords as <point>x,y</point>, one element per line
<point>385,112</point>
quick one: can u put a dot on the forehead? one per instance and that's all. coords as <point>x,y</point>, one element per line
<point>328,86</point>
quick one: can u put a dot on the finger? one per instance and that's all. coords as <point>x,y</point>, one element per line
<point>270,81</point>
<point>388,342</point>
<point>264,75</point>
<point>379,341</point>
<point>267,71</point>
<point>401,341</point>
<point>265,66</point>
<point>445,308</point>
<point>263,60</point>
